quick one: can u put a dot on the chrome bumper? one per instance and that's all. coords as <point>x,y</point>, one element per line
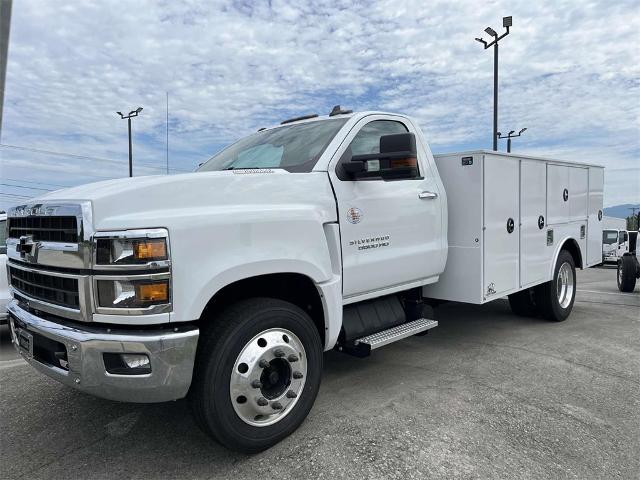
<point>171,353</point>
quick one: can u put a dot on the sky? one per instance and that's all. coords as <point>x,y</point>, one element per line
<point>569,73</point>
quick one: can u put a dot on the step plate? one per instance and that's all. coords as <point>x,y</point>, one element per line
<point>394,334</point>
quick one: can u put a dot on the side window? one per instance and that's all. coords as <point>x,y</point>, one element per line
<point>368,138</point>
<point>367,141</point>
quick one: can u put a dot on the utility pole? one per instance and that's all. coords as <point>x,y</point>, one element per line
<point>507,22</point>
<point>132,113</point>
<point>510,136</point>
<point>5,27</point>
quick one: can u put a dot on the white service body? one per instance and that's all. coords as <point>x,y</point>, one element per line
<point>548,202</point>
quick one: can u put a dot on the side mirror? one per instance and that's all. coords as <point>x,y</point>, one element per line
<point>398,158</point>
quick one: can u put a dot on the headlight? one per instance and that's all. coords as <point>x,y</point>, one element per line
<point>130,293</point>
<point>132,272</point>
<point>133,247</point>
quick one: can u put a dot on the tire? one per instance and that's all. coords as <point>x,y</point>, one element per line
<point>221,353</point>
<point>554,303</point>
<point>523,303</point>
<point>627,273</point>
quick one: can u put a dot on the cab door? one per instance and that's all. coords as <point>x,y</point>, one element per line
<point>391,230</point>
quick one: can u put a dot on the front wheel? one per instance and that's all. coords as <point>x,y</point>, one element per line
<point>257,374</point>
<point>555,298</point>
<point>627,273</point>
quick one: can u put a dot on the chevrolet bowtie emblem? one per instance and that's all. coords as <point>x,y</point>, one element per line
<point>25,247</point>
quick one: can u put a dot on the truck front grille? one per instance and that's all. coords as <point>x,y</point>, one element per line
<point>45,229</point>
<point>48,288</point>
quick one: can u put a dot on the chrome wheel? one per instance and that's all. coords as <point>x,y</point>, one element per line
<point>565,285</point>
<point>268,377</point>
<point>619,273</point>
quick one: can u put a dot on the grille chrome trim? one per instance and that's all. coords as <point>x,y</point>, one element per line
<point>44,228</point>
<point>62,291</point>
<point>85,311</point>
<point>56,254</point>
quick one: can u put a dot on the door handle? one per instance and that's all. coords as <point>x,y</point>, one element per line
<point>427,195</point>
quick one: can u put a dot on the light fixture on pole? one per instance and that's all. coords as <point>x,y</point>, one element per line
<point>507,22</point>
<point>132,113</point>
<point>509,136</point>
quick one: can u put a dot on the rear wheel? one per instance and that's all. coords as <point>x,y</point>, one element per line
<point>257,374</point>
<point>627,273</point>
<point>555,298</point>
<point>523,303</point>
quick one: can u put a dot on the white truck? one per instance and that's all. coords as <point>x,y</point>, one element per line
<point>628,264</point>
<point>226,285</point>
<point>615,243</point>
<point>4,287</point>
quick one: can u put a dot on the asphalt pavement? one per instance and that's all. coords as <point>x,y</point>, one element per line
<point>485,395</point>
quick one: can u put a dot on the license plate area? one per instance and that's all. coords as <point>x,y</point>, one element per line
<point>25,340</point>
<point>38,347</point>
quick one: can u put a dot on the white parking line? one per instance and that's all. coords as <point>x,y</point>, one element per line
<point>4,364</point>
<point>608,293</point>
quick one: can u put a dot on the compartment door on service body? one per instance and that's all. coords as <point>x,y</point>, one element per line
<point>534,264</point>
<point>557,194</point>
<point>501,230</point>
<point>594,222</point>
<point>390,236</point>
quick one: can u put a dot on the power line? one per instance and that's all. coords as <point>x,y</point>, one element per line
<point>26,187</point>
<point>37,183</point>
<point>84,157</point>
<point>16,196</point>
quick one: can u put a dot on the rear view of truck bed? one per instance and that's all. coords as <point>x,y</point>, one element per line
<point>509,216</point>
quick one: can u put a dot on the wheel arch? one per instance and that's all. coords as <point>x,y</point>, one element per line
<point>570,245</point>
<point>296,288</point>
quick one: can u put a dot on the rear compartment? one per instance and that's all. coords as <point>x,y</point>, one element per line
<point>508,216</point>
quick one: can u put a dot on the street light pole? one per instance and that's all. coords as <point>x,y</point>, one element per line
<point>132,113</point>
<point>507,22</point>
<point>130,149</point>
<point>509,136</point>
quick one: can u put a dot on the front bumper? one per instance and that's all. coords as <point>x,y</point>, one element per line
<point>171,353</point>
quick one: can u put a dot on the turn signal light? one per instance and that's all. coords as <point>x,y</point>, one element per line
<point>150,249</point>
<point>152,292</point>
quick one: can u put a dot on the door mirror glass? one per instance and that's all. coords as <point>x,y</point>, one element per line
<point>397,158</point>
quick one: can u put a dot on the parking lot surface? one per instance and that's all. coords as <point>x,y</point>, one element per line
<point>485,395</point>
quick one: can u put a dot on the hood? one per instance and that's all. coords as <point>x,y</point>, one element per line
<point>145,202</point>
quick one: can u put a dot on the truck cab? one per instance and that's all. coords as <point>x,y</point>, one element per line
<point>615,243</point>
<point>226,285</point>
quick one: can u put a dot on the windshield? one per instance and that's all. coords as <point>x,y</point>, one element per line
<point>295,148</point>
<point>609,236</point>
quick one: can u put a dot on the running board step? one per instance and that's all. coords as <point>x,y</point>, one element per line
<point>362,347</point>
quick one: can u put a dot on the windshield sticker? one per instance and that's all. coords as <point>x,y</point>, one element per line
<point>371,242</point>
<point>354,215</point>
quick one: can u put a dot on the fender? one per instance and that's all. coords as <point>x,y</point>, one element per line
<point>245,271</point>
<point>556,253</point>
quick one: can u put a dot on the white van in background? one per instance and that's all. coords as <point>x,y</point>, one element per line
<point>615,243</point>
<point>4,288</point>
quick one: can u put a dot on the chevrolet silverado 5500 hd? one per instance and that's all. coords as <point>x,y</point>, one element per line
<point>227,284</point>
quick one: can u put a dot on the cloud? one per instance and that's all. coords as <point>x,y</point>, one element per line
<point>568,72</point>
